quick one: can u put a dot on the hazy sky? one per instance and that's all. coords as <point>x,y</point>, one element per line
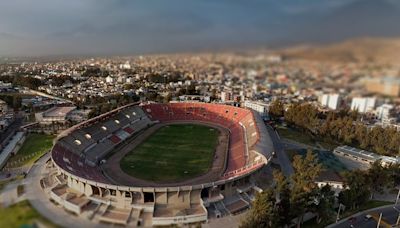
<point>81,27</point>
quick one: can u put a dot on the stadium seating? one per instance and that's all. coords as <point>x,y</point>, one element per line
<point>82,149</point>
<point>93,141</point>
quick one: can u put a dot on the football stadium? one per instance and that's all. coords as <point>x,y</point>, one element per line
<point>159,164</point>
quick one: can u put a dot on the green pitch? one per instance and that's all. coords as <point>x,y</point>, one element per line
<point>173,153</point>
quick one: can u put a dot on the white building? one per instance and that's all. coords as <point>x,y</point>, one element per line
<point>125,66</point>
<point>226,96</point>
<point>331,101</point>
<point>383,112</point>
<point>363,104</point>
<point>109,79</point>
<point>3,107</point>
<point>332,179</point>
<point>260,107</point>
<point>55,114</point>
<point>5,86</point>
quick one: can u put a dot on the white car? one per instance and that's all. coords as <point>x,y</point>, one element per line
<point>368,217</point>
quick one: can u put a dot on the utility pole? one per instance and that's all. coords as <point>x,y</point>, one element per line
<point>398,217</point>
<point>379,221</point>
<point>338,212</point>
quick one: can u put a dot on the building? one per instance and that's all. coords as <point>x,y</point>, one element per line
<point>3,107</point>
<point>364,156</point>
<point>383,112</point>
<point>6,116</point>
<point>191,98</point>
<point>260,107</point>
<point>54,115</point>
<point>125,66</point>
<point>389,86</point>
<point>110,79</point>
<point>331,101</point>
<point>363,104</point>
<point>332,179</point>
<point>77,116</point>
<point>5,86</point>
<point>226,96</point>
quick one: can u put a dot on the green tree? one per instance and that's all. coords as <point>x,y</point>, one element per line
<point>306,170</point>
<point>325,201</point>
<point>378,178</point>
<point>283,193</point>
<point>277,109</point>
<point>263,213</point>
<point>357,192</point>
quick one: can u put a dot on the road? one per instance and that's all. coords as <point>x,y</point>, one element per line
<point>11,129</point>
<point>286,165</point>
<point>389,217</point>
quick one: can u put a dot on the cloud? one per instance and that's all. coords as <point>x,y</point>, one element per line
<point>44,27</point>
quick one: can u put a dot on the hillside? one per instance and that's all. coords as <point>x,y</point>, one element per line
<point>380,50</point>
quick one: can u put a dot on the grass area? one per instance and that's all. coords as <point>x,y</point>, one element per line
<point>22,215</point>
<point>306,138</point>
<point>294,135</point>
<point>368,205</point>
<point>34,146</point>
<point>326,158</point>
<point>173,153</point>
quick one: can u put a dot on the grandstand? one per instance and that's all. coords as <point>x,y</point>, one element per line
<point>79,153</point>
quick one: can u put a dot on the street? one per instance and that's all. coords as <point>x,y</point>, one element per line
<point>389,217</point>
<point>286,165</point>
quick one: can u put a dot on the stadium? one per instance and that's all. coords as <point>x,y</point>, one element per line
<point>159,164</point>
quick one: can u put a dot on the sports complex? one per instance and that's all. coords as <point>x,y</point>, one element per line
<point>159,164</point>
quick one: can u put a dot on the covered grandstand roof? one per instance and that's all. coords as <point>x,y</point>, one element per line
<point>264,145</point>
<point>366,155</point>
<point>358,153</point>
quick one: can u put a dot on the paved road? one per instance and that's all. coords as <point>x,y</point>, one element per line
<point>11,129</point>
<point>389,217</point>
<point>42,204</point>
<point>286,165</point>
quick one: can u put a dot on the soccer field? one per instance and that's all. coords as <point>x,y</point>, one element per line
<point>173,153</point>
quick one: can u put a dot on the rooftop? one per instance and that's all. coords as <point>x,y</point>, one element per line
<point>58,111</point>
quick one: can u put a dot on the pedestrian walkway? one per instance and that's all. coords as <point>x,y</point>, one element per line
<point>9,194</point>
<point>40,200</point>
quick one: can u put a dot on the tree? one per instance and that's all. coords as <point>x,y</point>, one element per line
<point>283,193</point>
<point>325,199</point>
<point>357,193</point>
<point>378,178</point>
<point>277,207</point>
<point>394,175</point>
<point>276,110</point>
<point>263,214</point>
<point>306,170</point>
